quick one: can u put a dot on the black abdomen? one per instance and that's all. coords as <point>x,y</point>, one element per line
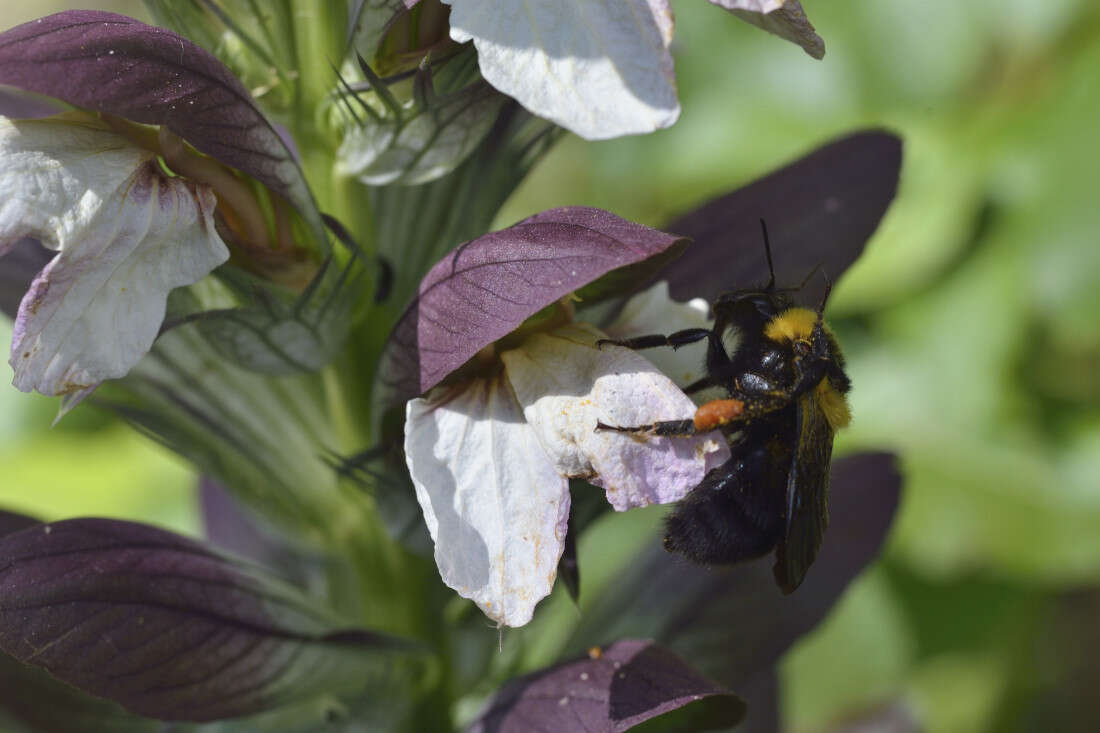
<point>736,511</point>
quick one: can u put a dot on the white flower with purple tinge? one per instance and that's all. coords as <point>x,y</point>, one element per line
<point>95,186</point>
<point>125,190</point>
<point>126,233</point>
<point>492,449</point>
<point>600,68</point>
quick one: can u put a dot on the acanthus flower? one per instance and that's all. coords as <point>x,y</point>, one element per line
<point>491,450</point>
<point>599,68</point>
<point>133,211</point>
<point>126,234</point>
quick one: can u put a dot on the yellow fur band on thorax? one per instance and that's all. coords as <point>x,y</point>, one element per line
<point>791,325</point>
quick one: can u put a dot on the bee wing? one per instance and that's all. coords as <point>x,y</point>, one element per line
<point>807,494</point>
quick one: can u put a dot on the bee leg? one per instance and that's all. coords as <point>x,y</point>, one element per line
<point>717,413</point>
<point>666,428</point>
<point>760,395</point>
<point>758,404</point>
<point>675,340</point>
<point>710,416</point>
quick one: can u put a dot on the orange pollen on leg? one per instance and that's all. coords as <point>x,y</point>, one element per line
<point>717,412</point>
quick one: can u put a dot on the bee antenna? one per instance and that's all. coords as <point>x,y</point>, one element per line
<point>825,296</point>
<point>806,279</point>
<point>768,254</point>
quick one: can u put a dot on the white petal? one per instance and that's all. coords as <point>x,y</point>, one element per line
<point>494,505</point>
<point>567,385</point>
<point>784,18</point>
<point>652,311</point>
<point>600,68</point>
<point>127,234</point>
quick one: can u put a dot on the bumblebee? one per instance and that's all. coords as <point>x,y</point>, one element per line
<point>786,389</point>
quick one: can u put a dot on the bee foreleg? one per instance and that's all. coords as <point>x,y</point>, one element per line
<point>675,340</point>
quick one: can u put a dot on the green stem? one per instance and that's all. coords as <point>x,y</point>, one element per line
<point>340,410</point>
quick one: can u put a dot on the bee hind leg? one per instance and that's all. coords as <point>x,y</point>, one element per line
<point>710,416</point>
<point>665,428</point>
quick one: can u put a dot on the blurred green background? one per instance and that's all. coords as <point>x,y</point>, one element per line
<point>972,328</point>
